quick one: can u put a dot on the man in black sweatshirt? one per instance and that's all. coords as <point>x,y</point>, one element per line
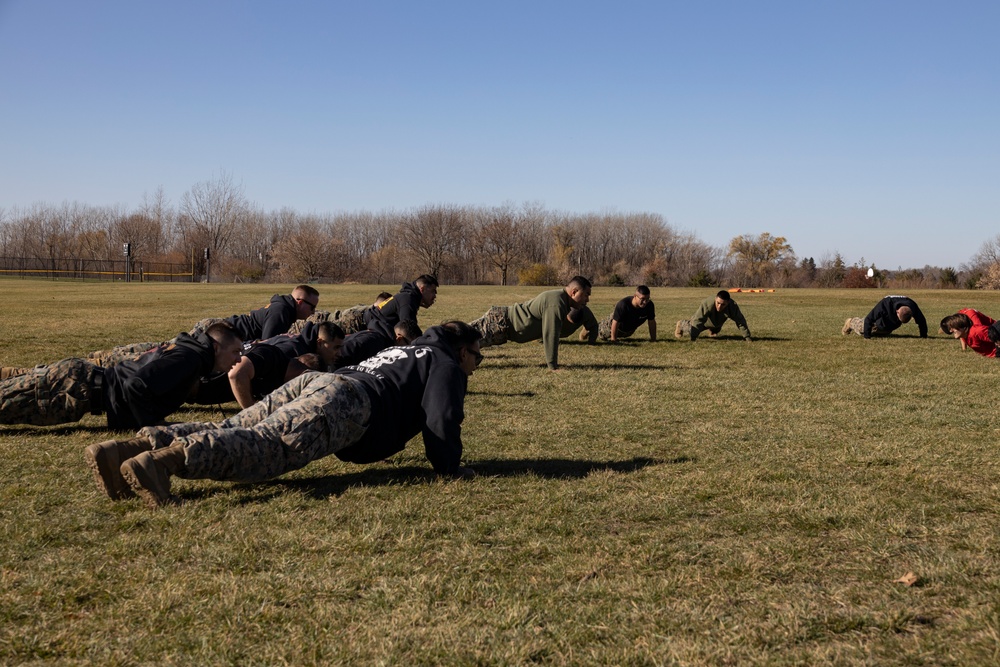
<point>132,394</point>
<point>363,413</point>
<point>275,318</point>
<point>363,344</point>
<point>888,315</point>
<point>403,305</point>
<point>268,364</point>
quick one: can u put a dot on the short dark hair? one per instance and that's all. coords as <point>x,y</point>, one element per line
<point>329,330</point>
<point>308,290</point>
<point>426,279</point>
<point>382,296</point>
<point>580,282</point>
<point>408,329</point>
<point>956,321</point>
<point>643,290</point>
<point>458,334</point>
<point>993,333</point>
<point>724,295</point>
<point>224,334</point>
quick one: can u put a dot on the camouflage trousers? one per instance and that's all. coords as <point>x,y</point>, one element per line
<point>108,358</point>
<point>308,418</point>
<point>132,351</point>
<point>317,317</point>
<point>857,325</point>
<point>351,320</point>
<point>493,326</point>
<point>12,371</point>
<point>59,393</point>
<point>604,330</point>
<point>854,325</point>
<point>685,329</point>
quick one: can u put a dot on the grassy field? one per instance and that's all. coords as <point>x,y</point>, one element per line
<point>667,503</point>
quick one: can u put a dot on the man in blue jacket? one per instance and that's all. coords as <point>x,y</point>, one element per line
<point>363,413</point>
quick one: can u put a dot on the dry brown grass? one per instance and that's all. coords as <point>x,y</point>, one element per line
<point>669,503</point>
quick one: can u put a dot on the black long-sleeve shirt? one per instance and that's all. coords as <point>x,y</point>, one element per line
<point>884,319</point>
<point>418,388</point>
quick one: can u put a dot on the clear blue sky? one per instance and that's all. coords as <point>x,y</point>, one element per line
<point>868,128</point>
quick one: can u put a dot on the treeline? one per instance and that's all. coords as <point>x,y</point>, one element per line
<point>505,244</point>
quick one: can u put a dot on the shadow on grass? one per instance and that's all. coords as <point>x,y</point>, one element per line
<point>62,429</point>
<point>598,367</point>
<point>566,468</point>
<point>732,337</point>
<point>335,485</point>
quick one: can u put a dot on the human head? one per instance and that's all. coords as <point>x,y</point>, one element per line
<point>406,331</point>
<point>329,341</point>
<point>464,341</point>
<point>641,296</point>
<point>722,300</point>
<point>226,344</point>
<point>956,325</point>
<point>904,314</point>
<point>428,286</point>
<point>578,289</point>
<point>306,300</point>
<point>382,296</point>
<point>993,333</point>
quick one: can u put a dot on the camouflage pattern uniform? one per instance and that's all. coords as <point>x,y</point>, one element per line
<point>493,326</point>
<point>318,317</point>
<point>132,351</point>
<point>116,355</point>
<point>307,418</point>
<point>201,326</point>
<point>683,329</point>
<point>604,329</point>
<point>55,394</point>
<point>855,325</point>
<point>12,371</point>
<point>351,320</point>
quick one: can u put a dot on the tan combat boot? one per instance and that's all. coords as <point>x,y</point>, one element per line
<point>105,459</point>
<point>149,474</point>
<point>847,327</point>
<point>12,371</point>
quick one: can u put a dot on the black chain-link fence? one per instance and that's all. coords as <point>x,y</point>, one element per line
<point>73,268</point>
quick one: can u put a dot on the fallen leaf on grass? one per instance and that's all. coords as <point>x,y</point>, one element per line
<point>908,579</point>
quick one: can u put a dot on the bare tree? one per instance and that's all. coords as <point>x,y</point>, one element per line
<point>143,232</point>
<point>988,255</point>
<point>157,208</point>
<point>687,261</point>
<point>433,234</point>
<point>501,234</point>
<point>308,250</point>
<point>211,214</point>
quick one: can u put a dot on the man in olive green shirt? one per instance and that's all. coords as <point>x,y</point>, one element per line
<point>711,315</point>
<point>548,316</point>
